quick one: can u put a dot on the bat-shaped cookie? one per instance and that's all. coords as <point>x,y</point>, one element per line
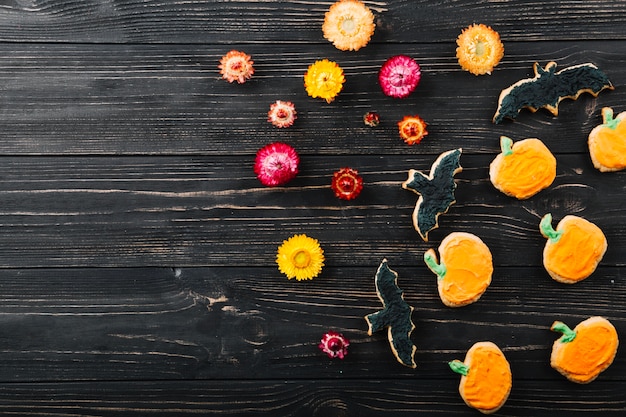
<point>548,87</point>
<point>436,191</point>
<point>396,316</point>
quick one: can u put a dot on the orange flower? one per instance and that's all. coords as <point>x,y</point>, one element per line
<point>412,129</point>
<point>349,25</point>
<point>479,49</point>
<point>236,66</point>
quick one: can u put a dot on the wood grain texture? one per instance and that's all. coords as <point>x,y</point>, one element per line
<point>177,211</point>
<point>268,22</point>
<point>63,99</point>
<point>307,398</point>
<point>142,324</point>
<point>137,248</point>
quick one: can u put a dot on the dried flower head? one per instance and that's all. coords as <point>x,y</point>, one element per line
<point>324,79</point>
<point>300,257</point>
<point>399,76</point>
<point>334,344</point>
<point>349,25</point>
<point>276,164</point>
<point>412,129</point>
<point>479,49</point>
<point>347,183</point>
<point>236,66</point>
<point>371,119</point>
<point>282,113</point>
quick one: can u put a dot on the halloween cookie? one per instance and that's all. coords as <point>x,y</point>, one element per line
<point>522,169</point>
<point>607,142</point>
<point>486,378</point>
<point>573,250</point>
<point>548,88</point>
<point>395,316</point>
<point>465,269</point>
<point>436,191</point>
<point>583,353</point>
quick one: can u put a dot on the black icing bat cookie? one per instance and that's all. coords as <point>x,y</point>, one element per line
<point>548,87</point>
<point>436,191</point>
<point>395,315</point>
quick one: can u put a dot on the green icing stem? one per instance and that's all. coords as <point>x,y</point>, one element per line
<point>546,228</point>
<point>439,269</point>
<point>506,144</point>
<point>459,367</point>
<point>607,118</point>
<point>568,334</point>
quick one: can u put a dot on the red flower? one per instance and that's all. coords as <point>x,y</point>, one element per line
<point>334,344</point>
<point>371,119</point>
<point>347,184</point>
<point>399,76</point>
<point>276,164</point>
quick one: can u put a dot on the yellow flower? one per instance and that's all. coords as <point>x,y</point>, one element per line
<point>479,49</point>
<point>300,257</point>
<point>324,79</point>
<point>349,25</point>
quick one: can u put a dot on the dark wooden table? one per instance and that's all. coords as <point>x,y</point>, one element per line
<point>138,249</point>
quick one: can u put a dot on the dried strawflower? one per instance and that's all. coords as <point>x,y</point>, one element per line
<point>236,66</point>
<point>282,113</point>
<point>347,183</point>
<point>479,49</point>
<point>300,257</point>
<point>399,76</point>
<point>324,79</point>
<point>412,129</point>
<point>334,344</point>
<point>276,164</point>
<point>349,25</point>
<point>371,119</point>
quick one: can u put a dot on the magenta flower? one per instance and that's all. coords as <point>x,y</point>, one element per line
<point>276,164</point>
<point>334,344</point>
<point>399,76</point>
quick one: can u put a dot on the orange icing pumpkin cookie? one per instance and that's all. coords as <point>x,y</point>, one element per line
<point>573,250</point>
<point>607,142</point>
<point>583,353</point>
<point>465,270</point>
<point>479,49</point>
<point>486,378</point>
<point>522,169</point>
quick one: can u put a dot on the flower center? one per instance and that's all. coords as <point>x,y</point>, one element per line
<point>282,114</point>
<point>301,259</point>
<point>412,129</point>
<point>348,25</point>
<point>335,344</point>
<point>480,48</point>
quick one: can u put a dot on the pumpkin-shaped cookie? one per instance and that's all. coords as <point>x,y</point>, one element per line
<point>465,270</point>
<point>486,377</point>
<point>607,142</point>
<point>522,169</point>
<point>583,353</point>
<point>573,250</point>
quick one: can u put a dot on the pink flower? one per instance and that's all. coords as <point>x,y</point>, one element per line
<point>282,113</point>
<point>334,344</point>
<point>276,164</point>
<point>399,76</point>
